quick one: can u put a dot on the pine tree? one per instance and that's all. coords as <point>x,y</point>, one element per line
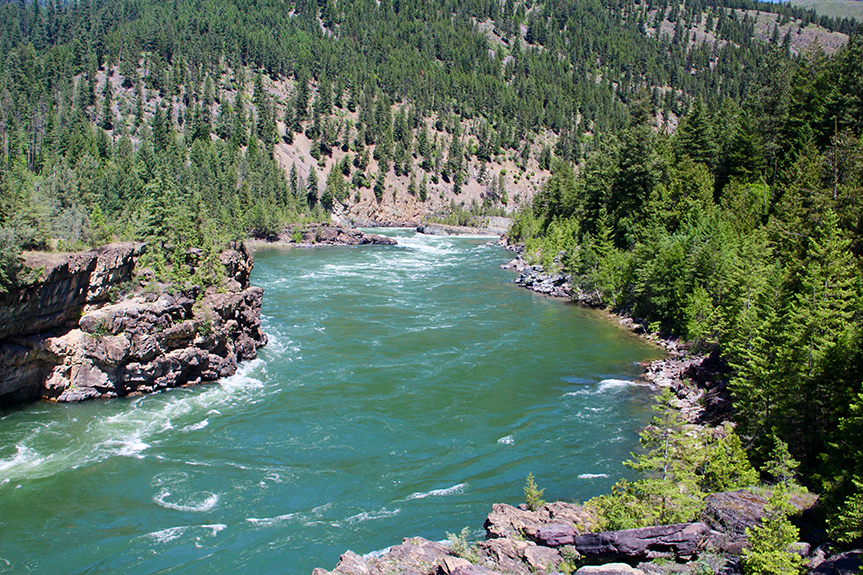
<point>225,121</point>
<point>670,463</point>
<point>724,465</point>
<point>533,494</point>
<point>769,551</point>
<point>107,106</point>
<point>781,467</point>
<point>423,192</point>
<point>379,186</point>
<point>312,188</point>
<point>751,330</point>
<point>294,181</point>
<point>820,315</point>
<point>301,104</point>
<point>336,185</point>
<point>695,135</point>
<point>160,130</point>
<point>240,129</point>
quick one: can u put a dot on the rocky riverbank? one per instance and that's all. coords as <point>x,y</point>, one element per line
<point>322,234</point>
<point>94,326</point>
<point>699,381</point>
<point>558,538</point>
<point>489,226</point>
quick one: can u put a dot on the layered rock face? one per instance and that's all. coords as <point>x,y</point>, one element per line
<point>68,282</point>
<point>63,340</point>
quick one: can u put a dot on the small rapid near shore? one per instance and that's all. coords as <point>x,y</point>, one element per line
<point>404,390</point>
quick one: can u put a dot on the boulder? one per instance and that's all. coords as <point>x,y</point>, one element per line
<point>556,534</point>
<point>820,555</point>
<point>609,569</point>
<point>415,556</point>
<point>506,521</point>
<point>542,558</point>
<point>681,540</point>
<point>507,554</point>
<point>349,564</point>
<point>733,512</point>
<point>848,563</point>
<point>450,564</point>
<point>730,513</point>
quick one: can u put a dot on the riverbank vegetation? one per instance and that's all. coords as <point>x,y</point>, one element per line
<point>743,232</point>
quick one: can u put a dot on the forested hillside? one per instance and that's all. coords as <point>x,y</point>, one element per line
<point>186,123</point>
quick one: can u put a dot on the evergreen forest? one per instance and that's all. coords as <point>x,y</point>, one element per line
<point>704,161</point>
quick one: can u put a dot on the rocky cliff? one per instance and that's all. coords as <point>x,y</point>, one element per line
<point>62,338</point>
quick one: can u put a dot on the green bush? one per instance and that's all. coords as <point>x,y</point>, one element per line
<point>462,547</point>
<point>10,260</point>
<point>533,494</point>
<point>769,551</point>
<point>681,465</point>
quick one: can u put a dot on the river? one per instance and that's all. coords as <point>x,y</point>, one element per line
<point>404,389</point>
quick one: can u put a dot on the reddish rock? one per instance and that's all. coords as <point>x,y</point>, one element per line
<point>556,535</point>
<point>848,563</point>
<point>506,520</point>
<point>138,345</point>
<point>682,540</point>
<point>415,556</point>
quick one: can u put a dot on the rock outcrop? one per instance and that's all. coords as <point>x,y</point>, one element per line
<point>680,541</point>
<point>491,226</point>
<point>322,234</point>
<point>558,538</point>
<point>848,563</point>
<point>415,556</point>
<point>540,525</point>
<point>65,341</point>
<point>729,514</point>
<point>67,283</point>
<point>536,279</point>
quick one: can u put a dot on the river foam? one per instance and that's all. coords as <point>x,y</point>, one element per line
<point>134,428</point>
<point>197,502</point>
<point>592,475</point>
<point>610,384</point>
<point>455,489</point>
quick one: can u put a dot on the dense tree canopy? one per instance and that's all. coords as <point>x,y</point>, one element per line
<point>112,106</point>
<point>753,248</point>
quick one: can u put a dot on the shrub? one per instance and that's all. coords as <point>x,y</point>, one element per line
<point>462,547</point>
<point>770,543</point>
<point>533,494</point>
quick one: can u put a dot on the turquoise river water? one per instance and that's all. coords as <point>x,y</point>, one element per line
<point>404,390</point>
